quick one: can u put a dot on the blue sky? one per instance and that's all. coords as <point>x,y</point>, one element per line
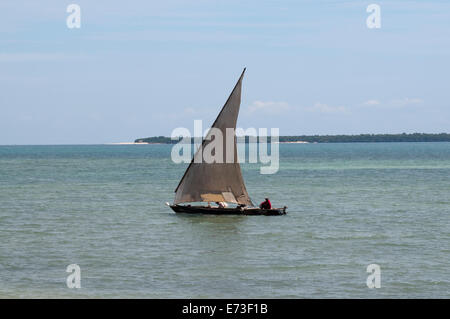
<point>142,68</point>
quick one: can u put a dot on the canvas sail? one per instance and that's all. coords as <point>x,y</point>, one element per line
<point>217,181</point>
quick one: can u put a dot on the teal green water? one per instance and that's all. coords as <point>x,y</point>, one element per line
<point>102,207</point>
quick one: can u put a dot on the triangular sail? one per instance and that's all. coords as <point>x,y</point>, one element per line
<point>216,182</point>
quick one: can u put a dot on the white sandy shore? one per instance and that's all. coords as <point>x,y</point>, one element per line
<point>128,143</point>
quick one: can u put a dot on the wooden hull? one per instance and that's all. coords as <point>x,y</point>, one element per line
<point>227,211</point>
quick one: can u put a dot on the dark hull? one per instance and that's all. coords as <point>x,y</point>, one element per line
<point>227,211</point>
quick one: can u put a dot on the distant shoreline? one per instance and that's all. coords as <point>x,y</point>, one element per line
<point>131,143</point>
<point>300,139</point>
<point>305,139</point>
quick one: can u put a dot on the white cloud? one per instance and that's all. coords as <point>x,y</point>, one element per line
<point>268,107</point>
<point>396,103</point>
<point>325,108</point>
<point>371,102</point>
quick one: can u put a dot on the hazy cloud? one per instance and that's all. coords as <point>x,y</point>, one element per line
<point>189,110</point>
<point>371,102</point>
<point>325,108</point>
<point>271,107</point>
<point>268,107</point>
<point>396,103</point>
<point>405,102</point>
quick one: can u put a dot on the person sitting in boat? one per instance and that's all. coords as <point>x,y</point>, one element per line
<point>266,204</point>
<point>222,204</point>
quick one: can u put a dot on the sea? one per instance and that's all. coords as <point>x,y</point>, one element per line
<point>365,220</point>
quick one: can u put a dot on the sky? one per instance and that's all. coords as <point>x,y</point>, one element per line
<point>143,68</point>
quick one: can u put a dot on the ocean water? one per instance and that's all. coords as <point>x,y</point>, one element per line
<point>349,205</point>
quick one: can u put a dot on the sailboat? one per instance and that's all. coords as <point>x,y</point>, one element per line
<point>220,181</point>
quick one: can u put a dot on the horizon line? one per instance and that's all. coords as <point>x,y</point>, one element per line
<point>133,143</point>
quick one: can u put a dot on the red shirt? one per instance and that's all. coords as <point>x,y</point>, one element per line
<point>266,204</point>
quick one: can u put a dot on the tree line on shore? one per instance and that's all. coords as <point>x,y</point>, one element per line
<point>361,138</point>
